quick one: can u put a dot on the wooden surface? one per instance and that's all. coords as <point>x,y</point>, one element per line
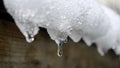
<point>15,52</point>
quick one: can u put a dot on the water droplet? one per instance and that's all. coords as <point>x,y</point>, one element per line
<point>59,50</point>
<point>30,38</point>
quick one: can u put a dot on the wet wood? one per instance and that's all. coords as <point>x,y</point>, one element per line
<point>15,52</point>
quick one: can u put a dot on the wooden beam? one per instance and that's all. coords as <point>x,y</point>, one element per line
<point>15,52</point>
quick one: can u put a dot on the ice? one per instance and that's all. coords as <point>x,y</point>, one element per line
<point>75,35</point>
<point>76,19</point>
<point>110,40</point>
<point>28,29</point>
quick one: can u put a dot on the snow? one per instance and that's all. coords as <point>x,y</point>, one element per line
<point>77,19</point>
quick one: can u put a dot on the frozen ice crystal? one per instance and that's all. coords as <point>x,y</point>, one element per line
<point>77,19</point>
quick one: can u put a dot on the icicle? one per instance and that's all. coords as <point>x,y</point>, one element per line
<point>74,18</point>
<point>87,41</point>
<point>75,36</point>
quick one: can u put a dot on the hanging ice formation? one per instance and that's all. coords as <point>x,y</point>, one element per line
<point>77,19</point>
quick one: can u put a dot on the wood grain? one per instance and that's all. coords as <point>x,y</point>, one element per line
<point>15,52</point>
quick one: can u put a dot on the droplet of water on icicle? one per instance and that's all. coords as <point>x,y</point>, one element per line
<point>59,50</point>
<point>29,39</point>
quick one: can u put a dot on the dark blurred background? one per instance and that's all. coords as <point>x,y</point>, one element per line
<point>3,13</point>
